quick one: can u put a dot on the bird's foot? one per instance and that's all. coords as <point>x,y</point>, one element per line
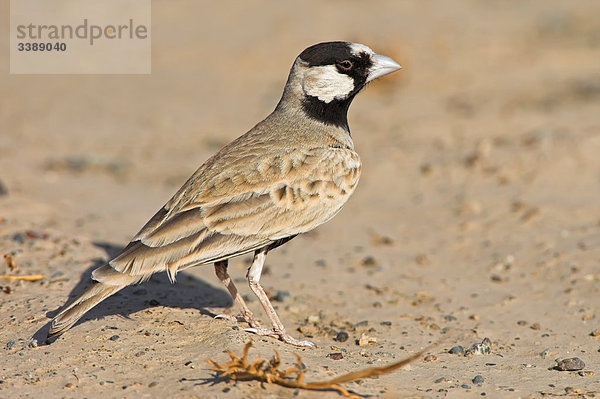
<point>280,335</point>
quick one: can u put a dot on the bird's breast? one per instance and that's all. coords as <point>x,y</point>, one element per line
<point>319,178</point>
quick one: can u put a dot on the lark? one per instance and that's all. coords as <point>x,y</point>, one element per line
<point>290,173</point>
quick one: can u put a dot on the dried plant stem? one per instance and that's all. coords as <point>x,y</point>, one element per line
<point>239,368</point>
<point>31,277</point>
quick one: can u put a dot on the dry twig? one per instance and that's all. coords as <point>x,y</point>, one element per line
<point>239,368</point>
<point>31,277</point>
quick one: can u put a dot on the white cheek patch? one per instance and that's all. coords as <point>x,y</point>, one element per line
<point>327,84</point>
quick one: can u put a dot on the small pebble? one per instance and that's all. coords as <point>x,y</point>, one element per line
<point>281,296</point>
<point>249,298</point>
<point>449,317</point>
<point>426,168</point>
<point>366,340</point>
<point>478,379</point>
<point>535,326</point>
<point>544,353</point>
<point>457,350</point>
<point>3,189</point>
<point>19,237</point>
<point>386,323</point>
<point>479,349</point>
<point>152,384</point>
<point>10,344</point>
<point>522,322</point>
<point>35,234</point>
<point>10,260</point>
<point>33,343</point>
<point>336,356</point>
<point>369,261</point>
<point>381,240</point>
<point>430,358</point>
<point>586,373</point>
<point>341,336</point>
<point>465,386</point>
<point>114,338</point>
<point>570,364</point>
<point>422,260</point>
<point>309,330</point>
<point>595,333</point>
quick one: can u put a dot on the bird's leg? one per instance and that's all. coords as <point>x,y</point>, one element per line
<point>278,330</point>
<point>221,272</point>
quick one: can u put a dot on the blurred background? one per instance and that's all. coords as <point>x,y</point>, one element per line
<point>486,82</point>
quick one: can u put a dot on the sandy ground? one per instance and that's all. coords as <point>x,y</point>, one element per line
<point>477,215</point>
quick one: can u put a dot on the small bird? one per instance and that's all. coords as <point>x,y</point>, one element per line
<point>289,174</point>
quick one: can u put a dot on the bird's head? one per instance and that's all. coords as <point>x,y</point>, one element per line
<point>326,77</point>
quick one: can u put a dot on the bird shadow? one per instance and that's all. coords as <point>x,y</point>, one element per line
<point>188,292</point>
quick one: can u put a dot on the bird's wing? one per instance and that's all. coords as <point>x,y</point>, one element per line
<point>226,211</point>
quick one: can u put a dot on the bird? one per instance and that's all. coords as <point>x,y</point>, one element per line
<point>290,173</point>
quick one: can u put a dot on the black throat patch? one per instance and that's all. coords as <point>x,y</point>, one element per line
<point>333,113</point>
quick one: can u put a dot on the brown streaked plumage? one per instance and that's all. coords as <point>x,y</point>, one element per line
<point>289,174</point>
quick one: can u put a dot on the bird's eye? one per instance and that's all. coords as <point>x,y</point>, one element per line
<point>345,65</point>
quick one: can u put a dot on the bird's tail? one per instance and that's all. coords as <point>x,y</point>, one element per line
<point>84,302</point>
<point>108,281</point>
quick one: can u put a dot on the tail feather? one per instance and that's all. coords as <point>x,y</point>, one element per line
<point>72,313</point>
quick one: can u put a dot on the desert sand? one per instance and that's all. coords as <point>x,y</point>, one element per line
<point>477,214</point>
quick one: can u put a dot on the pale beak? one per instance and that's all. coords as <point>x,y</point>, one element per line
<point>382,65</point>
